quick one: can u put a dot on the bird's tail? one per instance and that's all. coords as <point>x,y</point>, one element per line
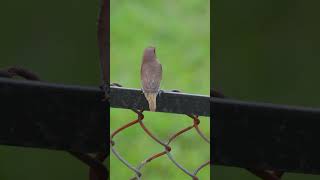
<point>152,100</point>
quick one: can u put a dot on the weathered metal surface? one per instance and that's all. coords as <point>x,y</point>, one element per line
<point>265,136</point>
<point>171,102</point>
<point>53,116</point>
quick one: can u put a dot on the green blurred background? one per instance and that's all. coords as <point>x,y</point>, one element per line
<point>266,51</point>
<point>57,40</point>
<point>180,30</point>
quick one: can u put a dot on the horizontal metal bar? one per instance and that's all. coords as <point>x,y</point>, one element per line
<point>53,116</point>
<point>265,136</point>
<point>171,102</point>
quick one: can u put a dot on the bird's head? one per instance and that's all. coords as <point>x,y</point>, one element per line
<point>149,53</point>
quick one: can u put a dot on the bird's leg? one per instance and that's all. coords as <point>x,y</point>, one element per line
<point>175,90</point>
<point>160,92</point>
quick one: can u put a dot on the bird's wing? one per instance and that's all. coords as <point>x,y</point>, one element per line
<point>151,77</point>
<point>160,72</point>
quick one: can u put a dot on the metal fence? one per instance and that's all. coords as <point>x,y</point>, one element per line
<point>266,139</point>
<point>61,117</point>
<point>170,102</point>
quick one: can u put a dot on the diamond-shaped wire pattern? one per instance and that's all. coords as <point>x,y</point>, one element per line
<point>166,145</point>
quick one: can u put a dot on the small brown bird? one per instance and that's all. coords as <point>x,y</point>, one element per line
<point>151,75</point>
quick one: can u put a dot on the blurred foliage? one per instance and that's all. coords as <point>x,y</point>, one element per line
<point>180,31</point>
<point>57,40</point>
<point>266,51</point>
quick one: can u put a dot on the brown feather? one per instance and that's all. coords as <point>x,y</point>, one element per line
<point>152,100</point>
<point>151,76</point>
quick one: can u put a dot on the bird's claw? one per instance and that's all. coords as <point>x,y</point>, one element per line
<point>160,92</point>
<point>175,90</point>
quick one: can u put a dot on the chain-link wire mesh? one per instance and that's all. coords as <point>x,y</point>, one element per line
<point>166,145</point>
